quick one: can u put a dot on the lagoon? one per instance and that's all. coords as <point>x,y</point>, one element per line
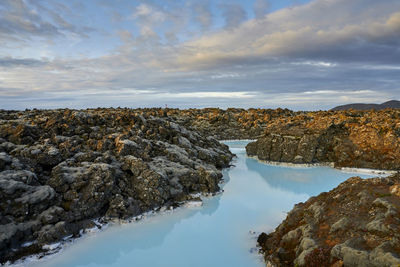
<point>221,232</point>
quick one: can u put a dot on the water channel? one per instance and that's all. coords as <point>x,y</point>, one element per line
<point>256,198</point>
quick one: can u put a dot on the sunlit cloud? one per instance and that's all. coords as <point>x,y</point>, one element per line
<point>198,53</point>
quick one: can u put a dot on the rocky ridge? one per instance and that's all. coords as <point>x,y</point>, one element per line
<point>232,123</point>
<point>359,139</point>
<point>60,169</point>
<point>355,224</point>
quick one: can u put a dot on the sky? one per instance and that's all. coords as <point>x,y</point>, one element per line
<point>296,54</point>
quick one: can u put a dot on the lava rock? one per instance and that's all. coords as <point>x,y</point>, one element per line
<point>330,230</point>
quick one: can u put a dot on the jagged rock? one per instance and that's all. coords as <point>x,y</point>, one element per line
<point>358,139</point>
<point>12,234</point>
<point>36,194</point>
<point>51,215</point>
<point>52,233</point>
<point>341,225</point>
<point>4,160</point>
<point>350,256</point>
<point>23,176</point>
<point>59,169</point>
<point>346,231</point>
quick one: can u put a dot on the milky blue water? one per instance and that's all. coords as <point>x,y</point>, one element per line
<point>256,197</point>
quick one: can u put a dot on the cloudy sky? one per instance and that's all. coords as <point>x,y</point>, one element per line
<point>297,54</point>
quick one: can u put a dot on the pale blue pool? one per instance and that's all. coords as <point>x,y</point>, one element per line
<point>256,197</point>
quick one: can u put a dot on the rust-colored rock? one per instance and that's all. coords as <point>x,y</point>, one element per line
<point>361,139</point>
<point>355,224</point>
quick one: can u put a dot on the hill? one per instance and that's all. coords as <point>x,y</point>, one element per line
<point>362,106</point>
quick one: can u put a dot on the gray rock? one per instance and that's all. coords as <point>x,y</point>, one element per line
<point>9,186</point>
<point>127,147</point>
<point>61,168</point>
<point>11,234</point>
<point>340,225</point>
<point>4,160</point>
<point>23,176</point>
<point>51,215</point>
<point>292,236</point>
<point>378,226</point>
<point>351,256</point>
<point>318,210</point>
<point>383,256</point>
<point>37,194</point>
<point>184,142</point>
<point>52,233</point>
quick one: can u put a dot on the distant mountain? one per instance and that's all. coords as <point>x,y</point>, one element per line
<point>361,106</point>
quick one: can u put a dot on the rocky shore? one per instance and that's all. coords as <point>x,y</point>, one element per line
<point>357,139</point>
<point>60,169</point>
<point>355,224</point>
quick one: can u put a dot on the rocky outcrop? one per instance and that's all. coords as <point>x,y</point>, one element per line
<point>347,138</point>
<point>232,123</point>
<point>59,169</point>
<point>355,224</point>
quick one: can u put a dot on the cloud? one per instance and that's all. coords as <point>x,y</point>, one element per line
<point>233,14</point>
<point>15,62</point>
<point>20,21</point>
<point>159,24</point>
<point>308,56</point>
<point>260,8</point>
<point>203,15</point>
<point>147,18</point>
<point>17,18</point>
<point>149,14</point>
<point>320,30</point>
<point>240,95</point>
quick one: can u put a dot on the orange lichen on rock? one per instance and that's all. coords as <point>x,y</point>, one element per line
<point>360,228</point>
<point>361,139</point>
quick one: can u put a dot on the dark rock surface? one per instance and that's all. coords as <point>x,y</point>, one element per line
<point>348,139</point>
<point>355,224</point>
<point>59,169</point>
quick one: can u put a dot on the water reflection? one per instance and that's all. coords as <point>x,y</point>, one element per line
<point>136,236</point>
<point>307,180</point>
<point>107,247</point>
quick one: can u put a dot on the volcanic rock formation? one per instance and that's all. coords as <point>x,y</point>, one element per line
<point>232,123</point>
<point>59,169</point>
<point>355,224</point>
<point>347,138</point>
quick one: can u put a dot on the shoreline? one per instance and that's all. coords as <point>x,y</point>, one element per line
<point>58,247</point>
<point>83,165</point>
<point>307,165</point>
<point>236,140</point>
<point>101,224</point>
<point>326,164</point>
<point>367,171</point>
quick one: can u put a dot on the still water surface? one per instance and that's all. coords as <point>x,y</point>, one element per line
<point>256,198</point>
